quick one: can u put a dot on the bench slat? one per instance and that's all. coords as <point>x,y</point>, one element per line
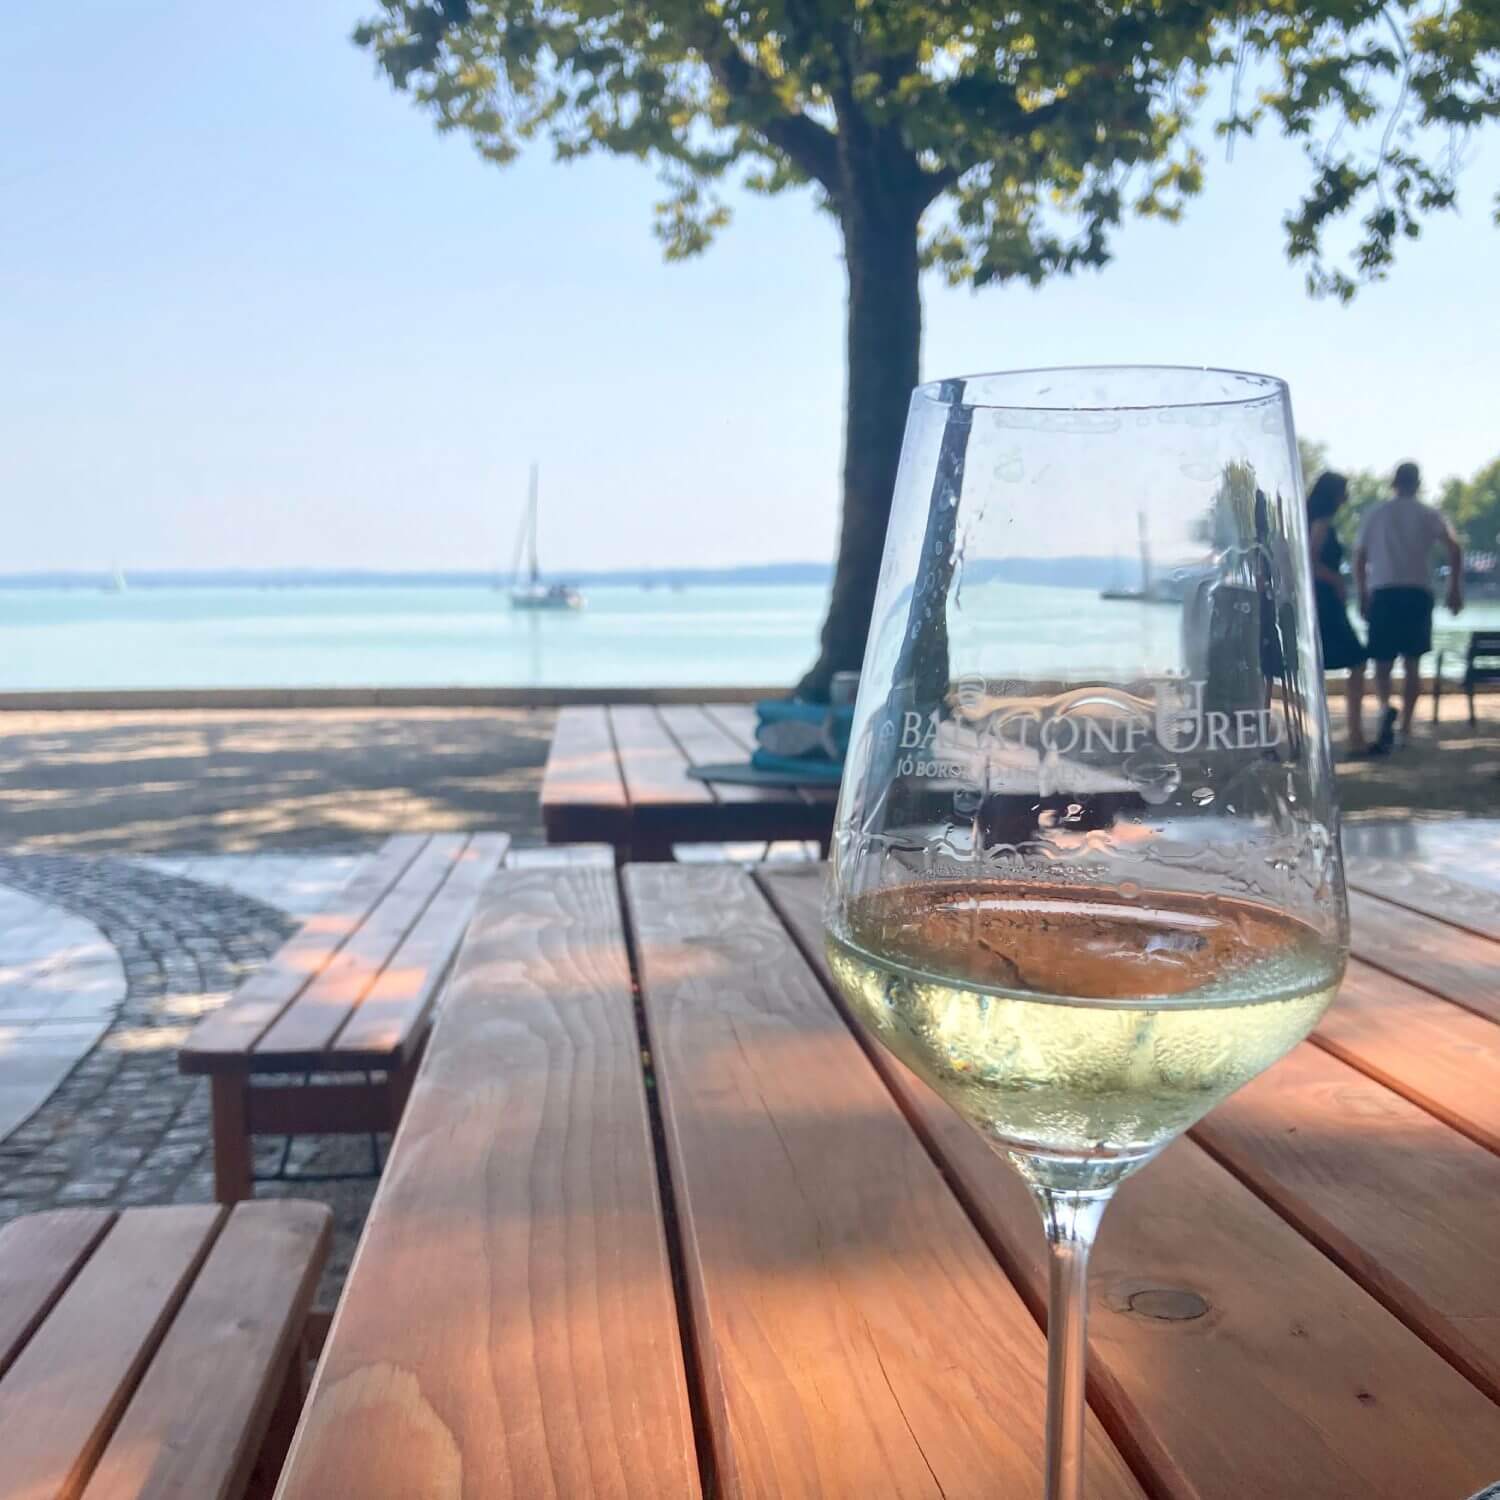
<point>1435,1053</point>
<point>393,1015</point>
<point>655,770</point>
<point>39,1256</point>
<point>1286,1343</point>
<point>855,1335</point>
<point>310,1023</point>
<point>556,856</point>
<point>1446,960</point>
<point>1426,890</point>
<point>196,1421</point>
<point>509,1329</point>
<point>61,1398</point>
<point>1409,1207</point>
<point>225,1039</point>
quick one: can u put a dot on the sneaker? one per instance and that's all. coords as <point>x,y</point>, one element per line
<point>1386,739</point>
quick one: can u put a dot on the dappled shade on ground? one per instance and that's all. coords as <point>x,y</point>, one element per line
<point>143,782</point>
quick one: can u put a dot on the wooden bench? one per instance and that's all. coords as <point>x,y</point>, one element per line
<point>154,1353</point>
<point>351,993</point>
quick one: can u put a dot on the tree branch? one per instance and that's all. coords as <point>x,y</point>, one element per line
<point>810,146</point>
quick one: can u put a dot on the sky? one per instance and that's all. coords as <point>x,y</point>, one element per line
<point>255,311</point>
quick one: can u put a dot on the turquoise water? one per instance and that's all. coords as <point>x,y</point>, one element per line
<point>423,637</point>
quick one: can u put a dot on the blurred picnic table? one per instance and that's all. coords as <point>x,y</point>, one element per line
<point>620,775</point>
<point>658,1223</point>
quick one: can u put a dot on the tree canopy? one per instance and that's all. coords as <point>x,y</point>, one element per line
<point>1039,123</point>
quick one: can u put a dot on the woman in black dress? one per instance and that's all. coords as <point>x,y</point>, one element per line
<point>1342,648</point>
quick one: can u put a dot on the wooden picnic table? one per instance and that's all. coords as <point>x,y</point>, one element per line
<point>658,1223</point>
<point>619,775</point>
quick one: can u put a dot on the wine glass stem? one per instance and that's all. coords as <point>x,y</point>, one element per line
<point>1071,1220</point>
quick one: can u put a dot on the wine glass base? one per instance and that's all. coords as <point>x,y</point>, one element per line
<point>1073,1174</point>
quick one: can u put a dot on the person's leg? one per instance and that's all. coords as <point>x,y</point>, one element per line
<point>1354,708</point>
<point>1411,690</point>
<point>1383,684</point>
<point>1385,731</point>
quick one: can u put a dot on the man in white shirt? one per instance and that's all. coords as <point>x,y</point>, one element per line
<point>1393,571</point>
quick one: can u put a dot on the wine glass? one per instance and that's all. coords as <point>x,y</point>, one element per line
<point>1086,875</point>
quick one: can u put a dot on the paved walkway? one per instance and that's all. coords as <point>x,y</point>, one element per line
<point>298,884</point>
<point>61,982</point>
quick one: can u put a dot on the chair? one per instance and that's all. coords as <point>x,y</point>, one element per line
<point>1482,665</point>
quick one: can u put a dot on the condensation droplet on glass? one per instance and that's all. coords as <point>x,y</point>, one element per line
<point>1243,606</point>
<point>1203,795</point>
<point>1129,889</point>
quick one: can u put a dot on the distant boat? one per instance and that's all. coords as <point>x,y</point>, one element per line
<point>117,583</point>
<point>533,593</point>
<point>1154,590</point>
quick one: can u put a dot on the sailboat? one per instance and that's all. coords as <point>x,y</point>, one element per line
<point>1155,589</point>
<point>533,593</point>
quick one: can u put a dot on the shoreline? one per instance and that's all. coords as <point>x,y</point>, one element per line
<point>171,700</point>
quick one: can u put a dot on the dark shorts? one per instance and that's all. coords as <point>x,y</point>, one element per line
<point>1400,623</point>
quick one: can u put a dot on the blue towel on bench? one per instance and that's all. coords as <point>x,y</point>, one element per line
<point>791,736</point>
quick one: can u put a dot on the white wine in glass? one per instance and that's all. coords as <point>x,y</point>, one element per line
<point>1087,893</point>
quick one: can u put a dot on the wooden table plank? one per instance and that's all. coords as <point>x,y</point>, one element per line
<point>1410,1208</point>
<point>1446,960</point>
<point>582,765</point>
<point>509,1329</point>
<point>855,1336</point>
<point>304,1030</point>
<point>1411,884</point>
<point>39,1256</point>
<point>654,767</point>
<point>1228,1354</point>
<point>705,742</point>
<point>225,1356</point>
<point>228,1036</point>
<point>382,1028</point>
<point>1435,1053</point>
<point>63,1395</point>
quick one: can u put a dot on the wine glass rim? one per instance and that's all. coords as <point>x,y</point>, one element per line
<point>1266,388</point>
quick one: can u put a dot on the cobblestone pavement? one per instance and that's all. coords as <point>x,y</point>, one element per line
<point>125,1127</point>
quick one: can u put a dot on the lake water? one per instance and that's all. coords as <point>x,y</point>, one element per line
<point>423,637</point>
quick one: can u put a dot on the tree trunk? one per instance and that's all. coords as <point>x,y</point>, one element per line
<point>884,344</point>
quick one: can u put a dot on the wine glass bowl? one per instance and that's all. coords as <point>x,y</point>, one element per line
<point>1087,892</point>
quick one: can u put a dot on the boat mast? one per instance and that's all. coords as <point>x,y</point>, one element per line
<point>536,572</point>
<point>1140,520</point>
